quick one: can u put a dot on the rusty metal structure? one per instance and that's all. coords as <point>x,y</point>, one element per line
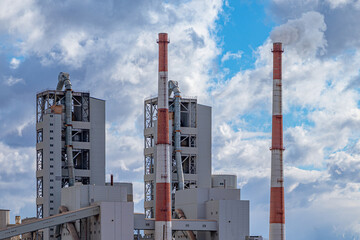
<point>277,205</point>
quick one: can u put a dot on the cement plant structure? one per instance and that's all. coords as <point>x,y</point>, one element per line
<point>182,199</point>
<point>88,147</point>
<point>195,142</point>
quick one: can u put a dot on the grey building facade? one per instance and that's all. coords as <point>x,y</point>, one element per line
<point>88,136</point>
<point>195,129</point>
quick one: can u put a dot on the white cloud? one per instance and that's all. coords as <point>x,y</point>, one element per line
<point>340,15</point>
<point>339,3</point>
<point>20,128</point>
<point>17,176</point>
<point>10,81</point>
<point>14,63</point>
<point>16,160</point>
<point>230,55</point>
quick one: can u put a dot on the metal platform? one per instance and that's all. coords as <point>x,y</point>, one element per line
<point>140,222</point>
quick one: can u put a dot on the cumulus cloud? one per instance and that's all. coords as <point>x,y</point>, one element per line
<point>236,149</point>
<point>340,17</point>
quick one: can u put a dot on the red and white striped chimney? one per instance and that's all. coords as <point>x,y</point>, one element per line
<point>163,163</point>
<point>277,205</point>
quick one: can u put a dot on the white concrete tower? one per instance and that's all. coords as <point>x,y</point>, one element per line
<point>88,147</point>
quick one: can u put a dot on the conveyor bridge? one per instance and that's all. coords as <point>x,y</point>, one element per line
<point>140,222</point>
<point>50,221</point>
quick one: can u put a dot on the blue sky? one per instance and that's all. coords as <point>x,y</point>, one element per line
<point>243,26</point>
<point>220,51</point>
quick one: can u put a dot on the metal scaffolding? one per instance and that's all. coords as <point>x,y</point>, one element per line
<point>150,113</point>
<point>47,100</point>
<point>188,142</point>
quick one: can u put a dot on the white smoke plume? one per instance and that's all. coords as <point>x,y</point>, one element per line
<point>305,34</point>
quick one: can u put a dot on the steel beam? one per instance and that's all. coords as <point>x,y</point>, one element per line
<point>141,223</point>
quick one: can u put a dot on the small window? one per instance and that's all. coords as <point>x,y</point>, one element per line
<point>51,173</point>
<point>51,152</point>
<point>51,115</point>
<point>51,166</point>
<point>39,187</point>
<point>51,145</point>
<point>39,157</point>
<point>51,187</point>
<point>39,137</point>
<point>51,124</point>
<point>39,211</point>
<point>51,194</point>
<point>51,180</point>
<point>51,138</point>
<point>51,201</point>
<point>51,131</point>
<point>51,159</point>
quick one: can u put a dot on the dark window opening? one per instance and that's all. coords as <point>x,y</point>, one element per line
<point>39,159</point>
<point>39,211</point>
<point>80,135</point>
<point>184,119</point>
<point>81,108</point>
<point>39,136</point>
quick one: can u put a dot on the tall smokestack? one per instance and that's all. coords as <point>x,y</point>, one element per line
<point>277,206</point>
<point>163,164</point>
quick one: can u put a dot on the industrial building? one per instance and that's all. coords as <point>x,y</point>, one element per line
<point>195,142</point>
<point>88,147</point>
<point>182,198</point>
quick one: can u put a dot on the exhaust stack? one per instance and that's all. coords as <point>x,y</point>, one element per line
<point>163,163</point>
<point>64,79</point>
<point>277,205</point>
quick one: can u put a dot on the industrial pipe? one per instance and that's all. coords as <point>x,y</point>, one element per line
<point>277,206</point>
<point>174,87</point>
<point>64,79</point>
<point>163,229</point>
<point>181,215</point>
<point>70,226</point>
